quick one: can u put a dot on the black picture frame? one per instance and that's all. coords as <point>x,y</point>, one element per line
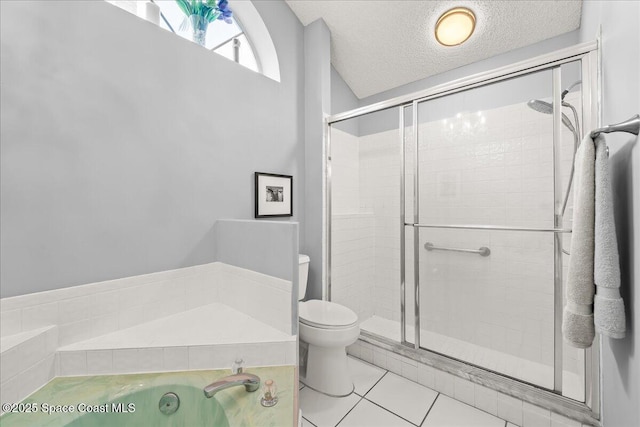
<point>273,195</point>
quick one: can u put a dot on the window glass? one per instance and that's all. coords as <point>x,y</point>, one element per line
<point>220,34</point>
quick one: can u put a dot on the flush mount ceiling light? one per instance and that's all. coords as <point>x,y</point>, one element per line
<point>455,26</point>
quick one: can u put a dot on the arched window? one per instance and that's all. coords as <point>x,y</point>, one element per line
<point>227,39</point>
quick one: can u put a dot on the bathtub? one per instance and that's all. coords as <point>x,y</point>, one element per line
<point>197,318</point>
<point>133,400</point>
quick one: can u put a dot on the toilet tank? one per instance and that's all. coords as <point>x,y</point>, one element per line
<point>303,261</point>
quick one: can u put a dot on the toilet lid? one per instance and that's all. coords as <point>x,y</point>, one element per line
<point>326,314</point>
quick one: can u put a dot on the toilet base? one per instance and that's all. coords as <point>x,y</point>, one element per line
<point>328,371</point>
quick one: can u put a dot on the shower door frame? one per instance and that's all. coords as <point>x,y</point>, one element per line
<point>589,56</point>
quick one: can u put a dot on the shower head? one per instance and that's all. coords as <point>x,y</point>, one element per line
<point>540,106</point>
<point>546,108</point>
<point>567,90</point>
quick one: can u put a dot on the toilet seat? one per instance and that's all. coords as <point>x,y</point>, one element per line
<point>326,315</point>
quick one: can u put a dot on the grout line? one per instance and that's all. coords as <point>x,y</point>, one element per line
<point>309,421</point>
<point>376,383</point>
<point>349,411</point>
<point>431,407</point>
<point>390,411</point>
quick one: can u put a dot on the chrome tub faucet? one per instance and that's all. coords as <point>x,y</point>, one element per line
<point>249,381</point>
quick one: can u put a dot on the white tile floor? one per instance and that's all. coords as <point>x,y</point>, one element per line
<point>383,399</point>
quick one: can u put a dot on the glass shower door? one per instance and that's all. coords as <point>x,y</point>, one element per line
<point>486,194</point>
<point>366,161</point>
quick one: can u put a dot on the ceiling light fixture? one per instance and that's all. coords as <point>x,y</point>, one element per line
<point>455,26</point>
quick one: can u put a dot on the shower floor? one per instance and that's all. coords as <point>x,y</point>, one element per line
<point>506,364</point>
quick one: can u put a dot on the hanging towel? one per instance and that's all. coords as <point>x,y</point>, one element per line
<point>577,320</point>
<point>608,305</point>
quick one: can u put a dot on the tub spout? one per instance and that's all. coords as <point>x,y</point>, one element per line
<point>249,381</point>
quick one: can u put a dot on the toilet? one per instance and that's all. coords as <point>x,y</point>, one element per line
<point>328,328</point>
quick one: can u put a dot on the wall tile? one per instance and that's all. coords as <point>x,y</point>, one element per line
<point>409,371</point>
<point>510,409</point>
<point>9,390</point>
<point>34,377</point>
<point>394,364</point>
<point>73,363</point>
<point>74,309</point>
<point>10,322</point>
<point>445,383</point>
<point>427,376</point>
<point>535,416</point>
<point>486,399</point>
<point>464,391</point>
<point>126,361</point>
<point>32,351</point>
<point>150,359</point>
<point>366,354</point>
<point>558,420</point>
<point>380,358</point>
<point>201,357</point>
<point>99,362</point>
<point>40,315</point>
<point>10,363</point>
<point>176,358</point>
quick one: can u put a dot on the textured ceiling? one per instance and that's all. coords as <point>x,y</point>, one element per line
<point>378,45</point>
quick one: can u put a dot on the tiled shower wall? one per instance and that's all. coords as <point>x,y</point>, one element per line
<point>365,266</point>
<point>353,233</point>
<point>379,193</point>
<point>493,167</point>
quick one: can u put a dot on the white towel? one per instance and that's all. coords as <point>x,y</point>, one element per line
<point>608,306</point>
<point>577,320</point>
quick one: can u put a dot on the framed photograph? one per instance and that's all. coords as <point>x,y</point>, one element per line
<point>274,195</point>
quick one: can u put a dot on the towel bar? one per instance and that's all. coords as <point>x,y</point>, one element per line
<point>483,251</point>
<point>631,125</point>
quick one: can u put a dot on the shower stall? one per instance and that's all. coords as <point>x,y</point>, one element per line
<point>449,223</point>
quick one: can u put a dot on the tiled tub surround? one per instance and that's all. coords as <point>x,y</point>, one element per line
<point>500,308</point>
<point>231,407</point>
<point>201,317</point>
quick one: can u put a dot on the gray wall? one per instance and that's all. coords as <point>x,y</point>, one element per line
<point>317,63</point>
<point>268,247</point>
<point>121,144</point>
<point>509,92</point>
<point>343,99</point>
<point>507,58</point>
<point>621,99</point>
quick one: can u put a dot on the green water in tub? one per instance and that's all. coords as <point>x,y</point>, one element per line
<point>194,410</point>
<point>134,400</point>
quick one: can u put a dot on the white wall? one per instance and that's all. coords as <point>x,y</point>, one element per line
<point>122,143</point>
